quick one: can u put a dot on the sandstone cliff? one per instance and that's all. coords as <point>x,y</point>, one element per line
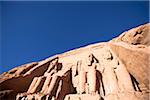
<point>114,70</point>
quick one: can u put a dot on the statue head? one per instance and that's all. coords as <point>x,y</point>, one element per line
<point>107,55</point>
<point>54,62</point>
<point>90,59</point>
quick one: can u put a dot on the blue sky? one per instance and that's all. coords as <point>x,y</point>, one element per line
<point>32,31</point>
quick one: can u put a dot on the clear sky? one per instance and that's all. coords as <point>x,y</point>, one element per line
<point>32,31</point>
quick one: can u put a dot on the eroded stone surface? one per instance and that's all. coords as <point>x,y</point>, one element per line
<point>114,70</point>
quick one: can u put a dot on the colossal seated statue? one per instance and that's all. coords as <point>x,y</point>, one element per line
<point>41,84</point>
<point>109,76</point>
<point>104,76</point>
<point>53,68</point>
<point>87,78</point>
<point>116,78</point>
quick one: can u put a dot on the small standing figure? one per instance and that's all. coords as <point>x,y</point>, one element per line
<point>87,76</point>
<point>91,74</point>
<point>109,75</point>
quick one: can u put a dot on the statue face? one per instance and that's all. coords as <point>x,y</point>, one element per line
<point>107,55</point>
<point>90,60</point>
<point>54,62</point>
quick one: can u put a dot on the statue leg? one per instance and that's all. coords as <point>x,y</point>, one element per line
<point>82,82</point>
<point>91,77</point>
<point>46,84</point>
<point>32,84</point>
<point>52,84</point>
<point>110,82</point>
<point>38,84</point>
<point>59,88</point>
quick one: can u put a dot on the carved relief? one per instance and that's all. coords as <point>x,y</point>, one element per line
<point>41,85</point>
<point>114,70</point>
<point>104,75</point>
<point>109,76</point>
<point>87,75</point>
<point>91,74</point>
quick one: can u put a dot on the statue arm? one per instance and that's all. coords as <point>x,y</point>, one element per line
<point>52,72</point>
<point>100,68</point>
<point>64,71</point>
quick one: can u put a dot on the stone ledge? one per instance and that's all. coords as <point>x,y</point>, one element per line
<point>83,97</point>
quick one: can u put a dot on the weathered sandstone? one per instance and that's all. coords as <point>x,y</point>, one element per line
<point>113,70</point>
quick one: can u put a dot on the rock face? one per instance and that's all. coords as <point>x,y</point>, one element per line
<point>114,70</point>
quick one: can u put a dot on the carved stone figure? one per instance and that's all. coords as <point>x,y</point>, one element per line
<point>124,78</point>
<point>87,76</point>
<point>114,70</point>
<point>56,82</point>
<point>75,74</point>
<point>34,87</point>
<point>46,84</point>
<point>53,68</point>
<point>36,84</point>
<point>41,84</point>
<point>109,75</point>
<point>91,75</point>
<point>82,81</point>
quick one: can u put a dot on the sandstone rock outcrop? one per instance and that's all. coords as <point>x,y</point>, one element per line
<point>114,70</point>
